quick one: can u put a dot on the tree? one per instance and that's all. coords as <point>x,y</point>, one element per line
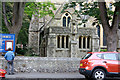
<point>14,21</point>
<point>104,16</point>
<point>110,30</point>
<point>23,34</point>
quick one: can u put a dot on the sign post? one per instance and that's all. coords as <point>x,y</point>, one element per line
<point>7,41</point>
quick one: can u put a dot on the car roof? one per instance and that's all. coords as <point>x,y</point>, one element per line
<point>100,52</point>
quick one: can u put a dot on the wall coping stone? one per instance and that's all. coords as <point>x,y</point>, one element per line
<point>42,58</point>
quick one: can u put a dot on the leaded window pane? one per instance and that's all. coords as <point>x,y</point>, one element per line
<point>67,41</point>
<point>68,21</point>
<point>79,42</point>
<point>84,42</point>
<point>62,41</point>
<point>58,42</point>
<point>64,21</point>
<point>88,42</point>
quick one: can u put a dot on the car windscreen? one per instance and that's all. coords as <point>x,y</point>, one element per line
<point>87,56</point>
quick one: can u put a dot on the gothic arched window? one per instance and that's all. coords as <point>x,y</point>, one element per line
<point>98,30</point>
<point>66,19</point>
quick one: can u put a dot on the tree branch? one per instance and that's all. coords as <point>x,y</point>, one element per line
<point>15,13</point>
<point>5,17</point>
<point>116,17</point>
<point>18,15</point>
<point>103,15</point>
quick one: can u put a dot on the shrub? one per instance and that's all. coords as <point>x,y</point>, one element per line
<point>103,50</point>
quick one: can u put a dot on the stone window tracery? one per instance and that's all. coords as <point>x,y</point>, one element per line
<point>84,42</point>
<point>62,41</point>
<point>66,19</point>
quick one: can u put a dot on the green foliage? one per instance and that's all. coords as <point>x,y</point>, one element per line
<point>90,9</point>
<point>67,5</point>
<point>31,55</point>
<point>21,51</point>
<point>116,4</point>
<point>41,9</point>
<point>9,9</point>
<point>4,30</point>
<point>9,6</point>
<point>23,34</point>
<point>25,52</point>
<point>103,50</point>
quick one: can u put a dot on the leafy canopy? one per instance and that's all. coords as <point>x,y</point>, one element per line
<point>40,8</point>
<point>90,9</point>
<point>37,8</point>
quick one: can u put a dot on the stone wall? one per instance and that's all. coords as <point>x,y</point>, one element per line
<point>34,43</point>
<point>73,50</point>
<point>43,64</point>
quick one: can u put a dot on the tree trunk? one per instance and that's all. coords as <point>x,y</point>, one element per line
<point>112,40</point>
<point>13,31</point>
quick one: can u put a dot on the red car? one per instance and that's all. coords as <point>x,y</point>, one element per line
<point>2,73</point>
<point>99,65</point>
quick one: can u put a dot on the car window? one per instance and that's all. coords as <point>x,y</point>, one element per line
<point>86,56</point>
<point>99,55</point>
<point>119,56</point>
<point>110,56</point>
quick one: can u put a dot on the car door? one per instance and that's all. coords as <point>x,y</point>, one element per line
<point>119,63</point>
<point>111,62</point>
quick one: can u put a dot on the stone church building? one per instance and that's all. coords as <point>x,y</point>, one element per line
<point>62,36</point>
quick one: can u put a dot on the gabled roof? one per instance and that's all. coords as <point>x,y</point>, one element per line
<point>38,24</point>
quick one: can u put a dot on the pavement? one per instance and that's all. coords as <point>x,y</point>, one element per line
<point>48,76</point>
<point>45,76</point>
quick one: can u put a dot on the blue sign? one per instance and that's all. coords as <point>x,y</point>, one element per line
<point>7,41</point>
